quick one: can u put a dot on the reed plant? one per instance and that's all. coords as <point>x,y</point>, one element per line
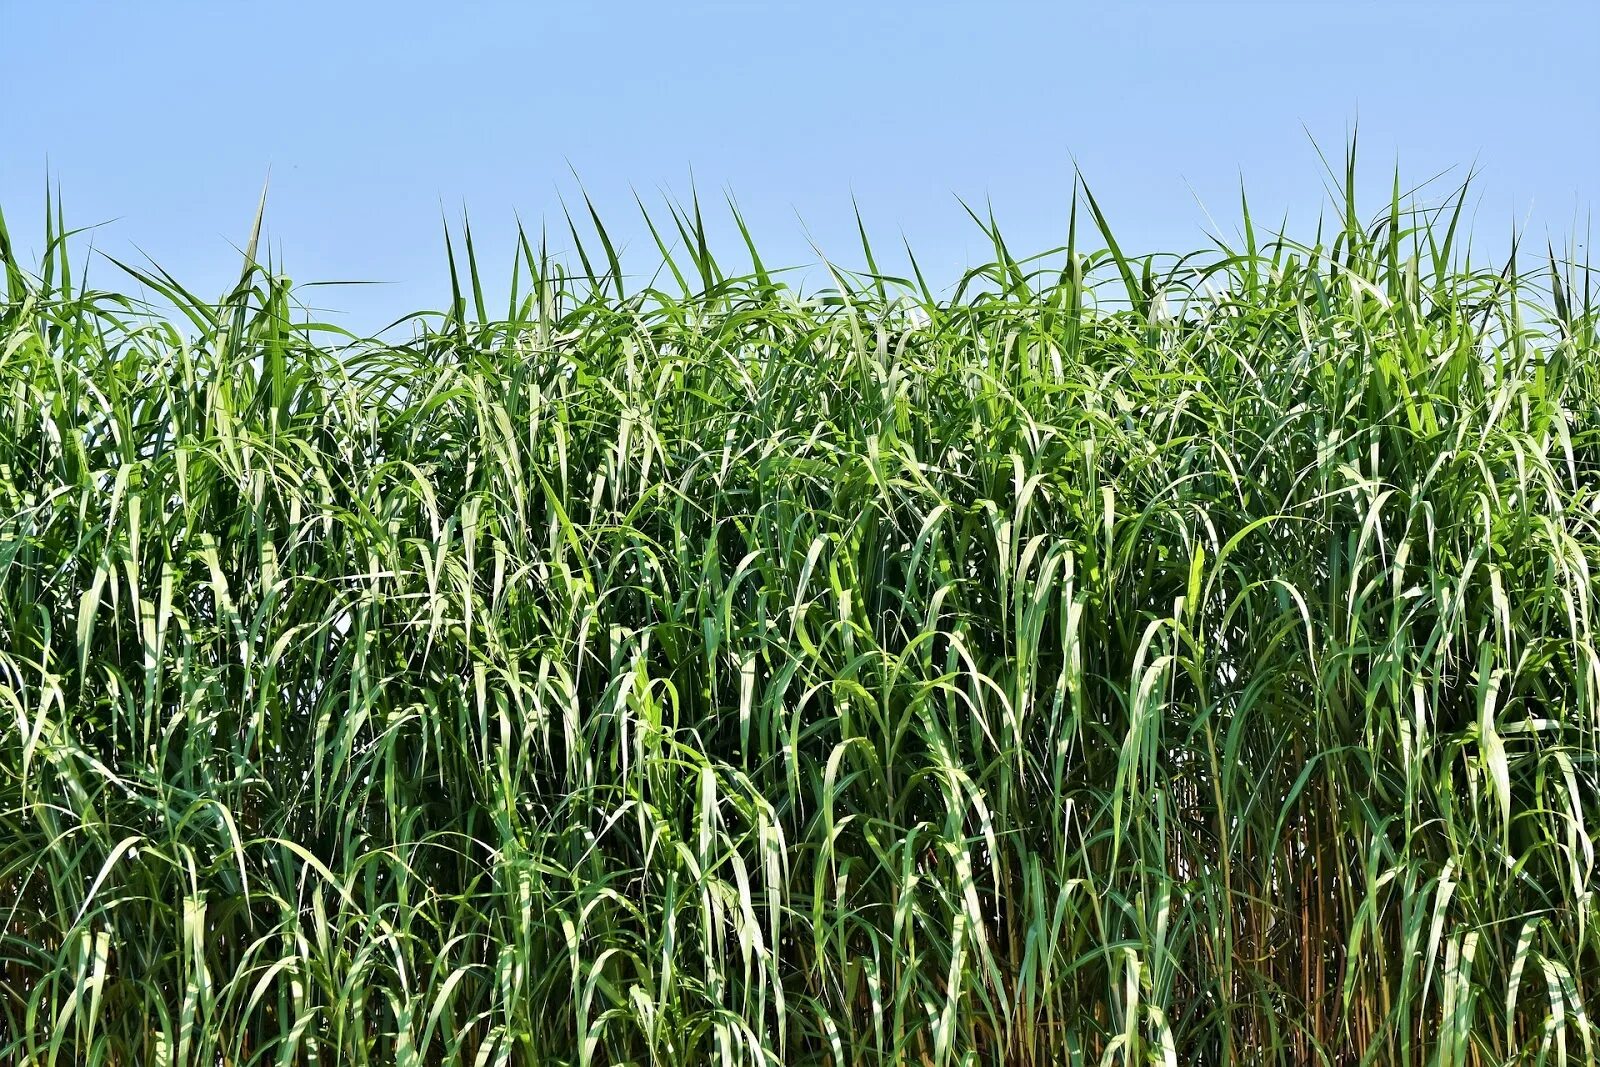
<point>1111,659</point>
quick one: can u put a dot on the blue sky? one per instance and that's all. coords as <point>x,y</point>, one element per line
<point>166,117</point>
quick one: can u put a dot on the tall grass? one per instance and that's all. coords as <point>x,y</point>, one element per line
<point>1118,660</point>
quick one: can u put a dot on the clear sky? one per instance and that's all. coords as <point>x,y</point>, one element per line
<point>162,119</point>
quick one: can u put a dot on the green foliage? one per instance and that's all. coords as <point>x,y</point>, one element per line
<point>1126,659</point>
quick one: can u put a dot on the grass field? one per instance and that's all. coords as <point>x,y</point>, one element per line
<point>1116,659</point>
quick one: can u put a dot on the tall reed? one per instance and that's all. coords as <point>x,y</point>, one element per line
<point>1118,659</point>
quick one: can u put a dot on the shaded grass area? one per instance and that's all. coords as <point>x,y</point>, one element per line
<point>1118,660</point>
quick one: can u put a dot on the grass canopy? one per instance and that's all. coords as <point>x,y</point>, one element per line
<point>1115,659</point>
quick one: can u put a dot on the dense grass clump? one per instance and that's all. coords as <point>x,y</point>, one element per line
<point>1118,660</point>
